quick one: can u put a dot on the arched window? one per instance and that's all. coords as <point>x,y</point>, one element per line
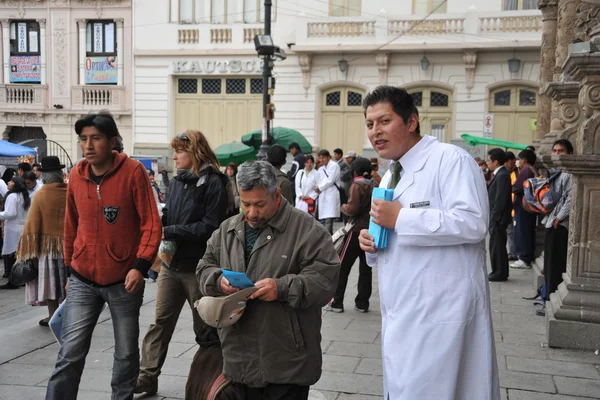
<point>435,111</point>
<point>342,119</point>
<point>514,109</point>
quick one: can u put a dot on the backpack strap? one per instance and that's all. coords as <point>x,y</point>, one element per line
<point>218,385</point>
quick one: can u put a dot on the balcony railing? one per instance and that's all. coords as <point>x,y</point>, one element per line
<point>529,23</point>
<point>222,35</point>
<point>426,27</point>
<point>97,97</point>
<point>250,33</point>
<point>23,96</point>
<point>189,36</point>
<point>341,29</point>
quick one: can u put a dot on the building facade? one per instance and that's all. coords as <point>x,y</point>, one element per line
<point>62,59</point>
<point>196,67</point>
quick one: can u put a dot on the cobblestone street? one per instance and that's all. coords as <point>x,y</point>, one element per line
<point>351,345</point>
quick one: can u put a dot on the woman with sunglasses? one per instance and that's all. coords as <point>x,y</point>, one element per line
<point>196,207</point>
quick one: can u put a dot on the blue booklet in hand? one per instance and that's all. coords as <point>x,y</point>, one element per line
<point>380,234</point>
<point>237,279</point>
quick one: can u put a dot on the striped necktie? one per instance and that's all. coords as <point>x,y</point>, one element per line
<point>395,175</point>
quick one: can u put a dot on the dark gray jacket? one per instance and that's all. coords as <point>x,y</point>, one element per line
<point>275,342</point>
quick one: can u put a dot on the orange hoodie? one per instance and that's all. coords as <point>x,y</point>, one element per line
<point>112,227</point>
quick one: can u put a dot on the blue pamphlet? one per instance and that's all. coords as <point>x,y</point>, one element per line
<point>380,234</point>
<point>55,322</point>
<point>237,279</point>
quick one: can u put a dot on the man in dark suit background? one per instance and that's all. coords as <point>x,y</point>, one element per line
<point>499,191</point>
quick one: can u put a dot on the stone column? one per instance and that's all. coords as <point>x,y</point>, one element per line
<point>82,24</point>
<point>573,312</point>
<point>547,62</point>
<point>43,55</point>
<point>383,63</point>
<point>566,16</point>
<point>6,49</point>
<point>120,51</point>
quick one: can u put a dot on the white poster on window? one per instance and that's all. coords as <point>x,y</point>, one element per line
<point>33,41</point>
<point>98,37</point>
<point>22,41</point>
<point>109,38</point>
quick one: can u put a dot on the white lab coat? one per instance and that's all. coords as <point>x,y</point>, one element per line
<point>305,184</point>
<point>329,198</point>
<point>15,215</point>
<point>437,336</point>
<point>36,188</point>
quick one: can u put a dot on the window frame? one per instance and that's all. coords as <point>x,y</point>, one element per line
<point>226,21</point>
<point>347,10</point>
<point>519,6</point>
<point>16,40</point>
<point>105,23</point>
<point>442,10</point>
<point>434,115</point>
<point>223,94</point>
<point>514,105</point>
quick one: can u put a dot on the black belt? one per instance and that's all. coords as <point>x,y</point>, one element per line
<point>92,283</point>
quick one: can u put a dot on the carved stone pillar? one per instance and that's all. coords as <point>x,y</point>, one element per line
<point>82,25</point>
<point>383,63</point>
<point>120,51</point>
<point>305,62</point>
<point>5,49</point>
<point>470,59</point>
<point>573,312</point>
<point>43,55</point>
<point>547,62</point>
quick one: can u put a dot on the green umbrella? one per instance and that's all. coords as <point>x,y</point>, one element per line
<point>282,136</point>
<point>234,152</point>
<point>476,140</point>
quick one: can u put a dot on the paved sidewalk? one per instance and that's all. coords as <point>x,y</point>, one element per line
<point>351,345</point>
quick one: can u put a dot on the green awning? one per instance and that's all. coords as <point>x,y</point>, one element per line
<point>282,136</point>
<point>234,152</point>
<point>476,141</point>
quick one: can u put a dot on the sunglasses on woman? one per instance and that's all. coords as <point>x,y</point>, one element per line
<point>183,136</point>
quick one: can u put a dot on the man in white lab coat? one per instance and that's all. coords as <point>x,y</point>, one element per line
<point>437,336</point>
<point>328,184</point>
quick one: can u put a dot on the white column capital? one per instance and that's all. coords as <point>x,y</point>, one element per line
<point>42,22</point>
<point>120,22</point>
<point>82,23</point>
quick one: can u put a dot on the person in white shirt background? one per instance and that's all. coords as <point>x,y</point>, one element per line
<point>328,184</point>
<point>31,182</point>
<point>306,180</point>
<point>437,336</point>
<point>16,206</point>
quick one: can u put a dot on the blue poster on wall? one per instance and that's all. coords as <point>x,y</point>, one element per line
<point>25,69</point>
<point>101,70</point>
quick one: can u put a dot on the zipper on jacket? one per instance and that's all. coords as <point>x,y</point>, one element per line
<point>98,191</point>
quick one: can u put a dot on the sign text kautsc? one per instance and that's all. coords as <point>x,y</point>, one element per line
<point>223,67</point>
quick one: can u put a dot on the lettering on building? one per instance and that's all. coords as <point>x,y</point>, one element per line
<point>220,67</point>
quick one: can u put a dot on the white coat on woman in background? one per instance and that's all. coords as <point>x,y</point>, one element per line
<point>329,195</point>
<point>306,180</point>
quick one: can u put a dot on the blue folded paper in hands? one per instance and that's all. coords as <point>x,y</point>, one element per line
<point>237,279</point>
<point>380,234</point>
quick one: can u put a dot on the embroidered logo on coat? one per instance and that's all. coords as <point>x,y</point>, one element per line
<point>111,214</point>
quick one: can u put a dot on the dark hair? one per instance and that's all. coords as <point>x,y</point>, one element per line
<point>401,101</point>
<point>510,156</point>
<point>25,167</point>
<point>118,147</point>
<point>530,148</point>
<point>103,121</point>
<point>19,187</point>
<point>362,167</point>
<point>497,154</point>
<point>564,143</point>
<point>338,151</point>
<point>30,175</point>
<point>233,166</point>
<point>324,153</point>
<point>36,165</point>
<point>276,155</point>
<point>8,175</point>
<point>528,156</point>
<point>294,145</point>
<point>309,157</point>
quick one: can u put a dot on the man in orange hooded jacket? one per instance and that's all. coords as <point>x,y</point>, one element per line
<point>112,234</point>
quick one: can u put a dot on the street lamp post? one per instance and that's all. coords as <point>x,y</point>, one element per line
<point>267,65</point>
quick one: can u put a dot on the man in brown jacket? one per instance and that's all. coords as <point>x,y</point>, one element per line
<point>274,351</point>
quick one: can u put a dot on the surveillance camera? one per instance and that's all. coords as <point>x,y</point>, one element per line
<point>289,45</point>
<point>280,53</point>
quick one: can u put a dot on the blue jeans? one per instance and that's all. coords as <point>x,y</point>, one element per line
<point>82,310</point>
